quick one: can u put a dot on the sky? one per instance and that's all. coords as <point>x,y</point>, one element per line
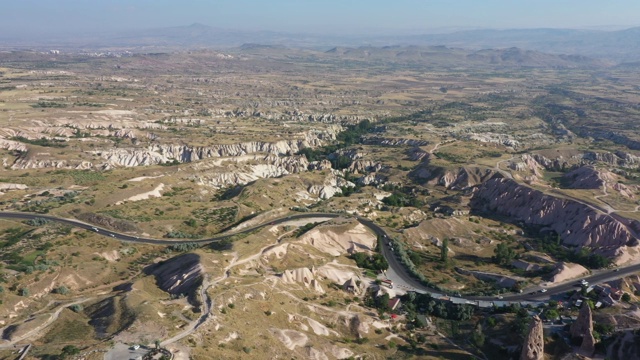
<point>317,16</point>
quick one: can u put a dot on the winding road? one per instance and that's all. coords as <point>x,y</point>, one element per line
<point>402,275</point>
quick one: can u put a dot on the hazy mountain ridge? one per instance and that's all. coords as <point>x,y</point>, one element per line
<point>618,46</point>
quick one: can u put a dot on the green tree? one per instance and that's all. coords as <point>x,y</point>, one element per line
<point>444,250</point>
<point>626,297</point>
<point>551,314</point>
<point>477,337</point>
<point>503,254</point>
<point>70,350</point>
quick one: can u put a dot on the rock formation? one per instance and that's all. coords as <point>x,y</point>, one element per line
<point>394,141</point>
<point>179,275</point>
<point>457,178</point>
<point>583,328</point>
<point>587,177</point>
<point>583,324</point>
<point>576,223</point>
<point>245,169</point>
<point>8,187</point>
<point>588,346</point>
<point>332,185</point>
<point>364,166</point>
<point>533,346</point>
<point>158,154</point>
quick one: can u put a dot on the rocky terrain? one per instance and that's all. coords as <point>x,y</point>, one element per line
<point>179,275</point>
<point>581,225</point>
<point>533,346</point>
<point>494,181</point>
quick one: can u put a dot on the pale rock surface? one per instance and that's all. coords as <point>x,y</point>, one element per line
<point>565,271</point>
<point>9,186</point>
<point>290,338</point>
<point>330,187</point>
<point>335,242</point>
<point>394,141</point>
<point>533,346</point>
<point>236,172</point>
<point>304,276</point>
<point>155,193</point>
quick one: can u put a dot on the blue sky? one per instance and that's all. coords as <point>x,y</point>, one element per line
<point>317,16</point>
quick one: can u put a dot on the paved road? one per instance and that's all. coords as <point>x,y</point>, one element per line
<point>142,240</point>
<point>393,261</point>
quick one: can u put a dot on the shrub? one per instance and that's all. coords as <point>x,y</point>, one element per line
<point>62,290</point>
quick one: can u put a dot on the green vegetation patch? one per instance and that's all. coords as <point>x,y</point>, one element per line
<point>42,142</point>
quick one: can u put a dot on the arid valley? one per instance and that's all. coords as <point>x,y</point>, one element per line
<point>274,202</point>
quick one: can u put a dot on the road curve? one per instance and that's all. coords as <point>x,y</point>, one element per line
<point>393,261</point>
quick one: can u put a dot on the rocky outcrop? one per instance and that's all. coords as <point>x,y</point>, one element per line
<point>159,154</point>
<point>182,274</point>
<point>455,179</point>
<point>583,328</point>
<point>417,154</point>
<point>372,179</point>
<point>533,346</point>
<point>8,187</point>
<point>259,167</point>
<point>529,164</point>
<point>12,145</point>
<point>304,276</point>
<point>393,141</point>
<point>587,177</point>
<point>330,187</point>
<point>577,224</point>
<point>583,324</point>
<point>491,138</point>
<point>35,163</point>
<point>562,163</point>
<point>352,154</point>
<point>558,164</point>
<point>320,165</point>
<point>470,176</point>
<point>364,166</point>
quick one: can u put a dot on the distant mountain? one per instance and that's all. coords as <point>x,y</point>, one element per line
<point>619,46</point>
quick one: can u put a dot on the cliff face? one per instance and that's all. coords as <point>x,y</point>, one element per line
<point>533,346</point>
<point>576,223</point>
<point>156,154</point>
